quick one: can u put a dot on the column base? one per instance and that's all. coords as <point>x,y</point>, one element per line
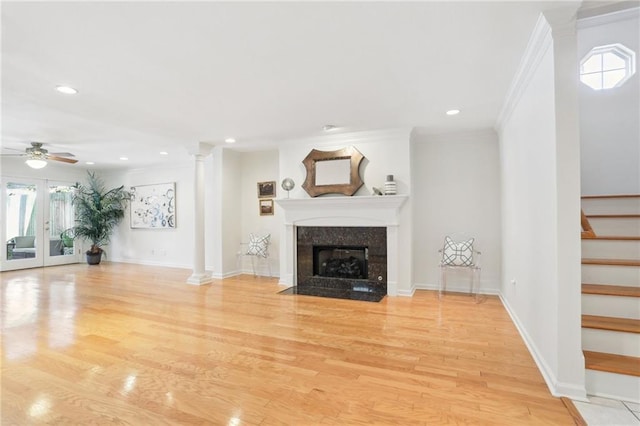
<point>200,279</point>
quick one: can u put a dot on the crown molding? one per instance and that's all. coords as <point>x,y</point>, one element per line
<point>593,14</point>
<point>539,42</point>
<point>353,138</point>
<point>420,135</point>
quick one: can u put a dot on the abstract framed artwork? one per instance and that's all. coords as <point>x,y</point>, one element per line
<point>153,206</point>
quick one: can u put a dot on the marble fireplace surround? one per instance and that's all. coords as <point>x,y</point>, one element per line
<point>341,211</point>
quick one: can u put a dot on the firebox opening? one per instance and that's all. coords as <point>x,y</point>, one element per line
<point>341,261</point>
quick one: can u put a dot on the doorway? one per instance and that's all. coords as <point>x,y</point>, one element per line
<point>34,217</point>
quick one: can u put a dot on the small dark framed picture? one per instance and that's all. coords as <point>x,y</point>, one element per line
<point>266,207</point>
<point>267,189</point>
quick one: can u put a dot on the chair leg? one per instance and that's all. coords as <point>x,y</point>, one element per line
<point>473,281</point>
<point>476,283</point>
<point>269,266</point>
<point>479,283</point>
<point>253,265</point>
<point>443,281</point>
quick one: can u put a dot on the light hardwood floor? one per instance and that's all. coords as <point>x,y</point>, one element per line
<point>129,344</point>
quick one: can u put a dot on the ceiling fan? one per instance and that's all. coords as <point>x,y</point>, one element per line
<point>37,156</point>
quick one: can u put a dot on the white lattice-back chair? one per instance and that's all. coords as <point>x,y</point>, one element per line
<point>459,253</point>
<point>257,249</point>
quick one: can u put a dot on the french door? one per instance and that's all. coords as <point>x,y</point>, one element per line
<point>35,213</point>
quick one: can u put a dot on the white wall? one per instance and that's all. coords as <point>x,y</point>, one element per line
<point>223,222</point>
<point>260,166</point>
<point>456,190</point>
<point>166,247</point>
<point>527,144</point>
<point>386,152</point>
<point>539,151</point>
<point>609,125</point>
<point>231,207</point>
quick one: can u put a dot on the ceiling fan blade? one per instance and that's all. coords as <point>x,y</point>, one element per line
<point>12,155</point>
<point>62,154</point>
<point>63,159</point>
<point>12,149</point>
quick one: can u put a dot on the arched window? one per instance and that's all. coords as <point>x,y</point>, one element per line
<point>605,67</point>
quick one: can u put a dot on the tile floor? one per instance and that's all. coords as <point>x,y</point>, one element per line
<point>609,412</point>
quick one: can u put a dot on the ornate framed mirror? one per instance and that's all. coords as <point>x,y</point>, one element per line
<point>333,172</point>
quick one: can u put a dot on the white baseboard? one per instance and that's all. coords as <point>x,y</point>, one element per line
<point>150,263</point>
<point>456,289</point>
<point>407,293</point>
<point>259,273</point>
<point>220,276</point>
<point>287,280</point>
<point>557,389</point>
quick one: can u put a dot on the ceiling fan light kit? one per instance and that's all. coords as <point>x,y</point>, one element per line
<point>67,90</point>
<point>34,163</point>
<point>37,156</point>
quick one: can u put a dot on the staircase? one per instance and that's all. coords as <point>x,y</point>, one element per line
<point>611,295</point>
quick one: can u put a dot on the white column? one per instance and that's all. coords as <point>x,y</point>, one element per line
<point>199,275</point>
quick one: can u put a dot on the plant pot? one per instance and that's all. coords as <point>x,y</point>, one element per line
<point>94,258</point>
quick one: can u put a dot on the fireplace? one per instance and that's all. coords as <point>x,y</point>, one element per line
<point>342,261</point>
<point>348,213</point>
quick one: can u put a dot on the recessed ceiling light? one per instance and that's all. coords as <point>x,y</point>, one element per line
<point>453,112</point>
<point>164,153</point>
<point>329,127</point>
<point>66,90</point>
<point>91,163</point>
<point>124,158</point>
<point>230,140</point>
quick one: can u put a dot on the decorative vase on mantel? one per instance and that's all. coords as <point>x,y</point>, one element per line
<point>390,186</point>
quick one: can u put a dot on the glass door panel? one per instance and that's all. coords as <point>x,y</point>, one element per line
<point>22,228</point>
<point>35,215</point>
<point>60,217</point>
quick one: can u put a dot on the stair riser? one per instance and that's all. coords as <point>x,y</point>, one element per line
<point>611,385</point>
<point>614,386</point>
<point>602,274</point>
<point>611,206</point>
<point>605,249</point>
<point>612,342</point>
<point>628,227</point>
<point>611,306</point>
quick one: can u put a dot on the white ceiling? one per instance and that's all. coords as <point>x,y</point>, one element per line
<point>158,76</point>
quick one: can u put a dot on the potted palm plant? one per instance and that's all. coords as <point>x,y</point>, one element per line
<point>98,212</point>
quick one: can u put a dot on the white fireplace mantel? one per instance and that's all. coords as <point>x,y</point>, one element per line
<point>341,211</point>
